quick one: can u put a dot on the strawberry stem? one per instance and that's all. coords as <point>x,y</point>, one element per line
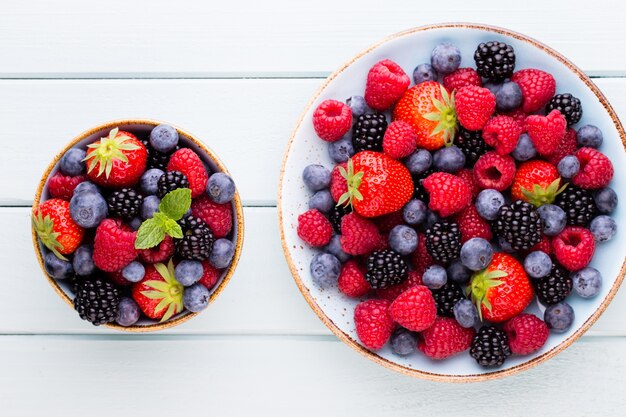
<point>353,181</point>
<point>479,286</point>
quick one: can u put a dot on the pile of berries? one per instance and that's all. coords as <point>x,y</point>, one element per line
<point>456,202</point>
<point>136,226</point>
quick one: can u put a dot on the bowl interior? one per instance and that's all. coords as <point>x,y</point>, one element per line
<point>409,49</point>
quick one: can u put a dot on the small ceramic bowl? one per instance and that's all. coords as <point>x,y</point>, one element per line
<point>188,140</point>
<point>408,49</point>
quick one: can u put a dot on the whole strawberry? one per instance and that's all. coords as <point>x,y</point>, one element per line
<point>527,334</point>
<point>314,228</point>
<point>189,163</point>
<point>55,228</point>
<point>374,324</point>
<point>414,309</point>
<point>537,87</point>
<point>546,132</point>
<point>331,120</point>
<point>448,193</point>
<point>219,217</point>
<point>400,140</point>
<point>158,294</point>
<point>359,236</point>
<point>386,82</point>
<point>445,338</point>
<point>113,246</point>
<point>62,186</point>
<point>474,106</point>
<point>596,170</point>
<point>502,133</point>
<point>574,247</point>
<point>537,182</point>
<point>352,281</point>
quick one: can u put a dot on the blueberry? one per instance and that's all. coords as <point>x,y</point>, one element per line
<point>445,58</point>
<point>341,150</point>
<point>135,223</point>
<point>72,162</point>
<point>466,313</point>
<point>559,317</point>
<point>134,271</point>
<point>164,138</point>
<point>334,248</point>
<point>476,253</point>
<point>325,269</point>
<point>403,342</point>
<point>589,136</point>
<point>127,312</point>
<point>524,150</point>
<point>414,212</point>
<point>322,201</point>
<point>88,209</point>
<point>149,206</point>
<point>57,268</point>
<point>606,200</point>
<point>220,188</point>
<point>83,260</point>
<point>196,298</point>
<point>86,186</point>
<point>587,282</point>
<point>222,253</point>
<point>149,181</point>
<point>493,87</point>
<point>358,105</point>
<point>488,203</point>
<point>537,264</point>
<point>424,72</point>
<point>419,161</point>
<point>188,272</point>
<point>509,97</point>
<point>449,159</point>
<point>435,277</point>
<point>403,239</point>
<point>568,166</point>
<point>459,273</point>
<point>553,219</point>
<point>430,219</point>
<point>316,177</point>
<point>603,228</point>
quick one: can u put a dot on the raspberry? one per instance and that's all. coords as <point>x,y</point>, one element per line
<point>518,115</point>
<point>527,334</point>
<point>472,225</point>
<point>388,221</point>
<point>117,278</point>
<point>61,186</point>
<point>219,217</point>
<point>414,309</point>
<point>445,338</point>
<point>359,236</point>
<point>373,322</point>
<point>210,275</point>
<point>421,259</point>
<point>544,245</point>
<point>352,281</point>
<point>574,247</point>
<point>502,133</point>
<point>331,120</point>
<point>474,106</point>
<point>596,170</point>
<point>189,163</point>
<point>160,253</point>
<point>390,293</point>
<point>338,184</point>
<point>537,87</point>
<point>462,78</point>
<point>567,146</point>
<point>314,228</point>
<point>113,246</point>
<point>546,132</point>
<point>386,82</point>
<point>448,193</point>
<point>494,171</point>
<point>400,140</point>
<point>468,177</point>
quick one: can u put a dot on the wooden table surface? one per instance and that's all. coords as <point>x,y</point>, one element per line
<point>237,74</point>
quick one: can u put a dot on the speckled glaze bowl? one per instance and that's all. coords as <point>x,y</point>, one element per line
<point>206,154</point>
<point>408,49</point>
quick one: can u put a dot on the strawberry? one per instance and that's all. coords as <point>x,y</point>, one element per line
<point>113,246</point>
<point>352,281</point>
<point>160,253</point>
<point>331,120</point>
<point>377,184</point>
<point>210,275</point>
<point>494,171</point>
<point>386,82</point>
<point>472,225</point>
<point>468,176</point>
<point>460,78</point>
<point>537,182</point>
<point>546,132</point>
<point>55,228</point>
<point>502,290</point>
<point>567,146</point>
<point>574,247</point>
<point>158,294</point>
<point>474,106</point>
<point>314,228</point>
<point>421,258</point>
<point>596,170</point>
<point>448,193</point>
<point>373,322</point>
<point>61,186</point>
<point>219,217</point>
<point>537,87</point>
<point>400,140</point>
<point>414,309</point>
<point>445,338</point>
<point>338,184</point>
<point>359,236</point>
<point>117,161</point>
<point>189,163</point>
<point>429,109</point>
<point>390,293</point>
<point>527,334</point>
<point>502,133</point>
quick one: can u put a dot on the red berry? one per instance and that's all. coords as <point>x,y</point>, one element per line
<point>494,171</point>
<point>472,225</point>
<point>537,87</point>
<point>400,140</point>
<point>546,132</point>
<point>544,245</point>
<point>445,338</point>
<point>338,184</point>
<point>61,186</point>
<point>117,278</point>
<point>421,258</point>
<point>468,176</point>
<point>331,120</point>
<point>536,181</point>
<point>113,246</point>
<point>219,217</point>
<point>596,170</point>
<point>314,228</point>
<point>352,281</point>
<point>189,163</point>
<point>160,253</point>
<point>359,236</point>
<point>390,293</point>
<point>55,227</point>
<point>448,193</point>
<point>462,78</point>
<point>518,115</point>
<point>567,146</point>
<point>373,322</point>
<point>527,334</point>
<point>574,247</point>
<point>388,221</point>
<point>502,133</point>
<point>386,82</point>
<point>210,275</point>
<point>414,309</point>
<point>474,106</point>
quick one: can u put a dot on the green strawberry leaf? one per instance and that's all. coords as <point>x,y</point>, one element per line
<point>150,233</point>
<point>176,203</point>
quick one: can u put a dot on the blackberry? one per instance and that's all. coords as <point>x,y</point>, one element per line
<point>386,268</point>
<point>368,132</point>
<point>171,181</point>
<point>124,203</point>
<point>157,159</point>
<point>554,287</point>
<point>96,301</point>
<point>495,60</point>
<point>197,241</point>
<point>446,297</point>
<point>472,144</point>
<point>419,191</point>
<point>443,241</point>
<point>568,105</point>
<point>336,214</point>
<point>519,225</point>
<point>578,205</point>
<point>490,346</point>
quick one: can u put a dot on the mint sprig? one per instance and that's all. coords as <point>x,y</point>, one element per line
<point>172,208</point>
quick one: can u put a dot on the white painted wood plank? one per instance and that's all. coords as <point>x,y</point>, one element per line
<point>251,38</point>
<point>264,376</point>
<point>247,122</point>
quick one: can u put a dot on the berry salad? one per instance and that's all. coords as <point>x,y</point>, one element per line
<point>461,196</point>
<point>136,226</point>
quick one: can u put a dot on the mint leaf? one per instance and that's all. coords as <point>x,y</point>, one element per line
<point>150,234</point>
<point>173,229</point>
<point>176,203</point>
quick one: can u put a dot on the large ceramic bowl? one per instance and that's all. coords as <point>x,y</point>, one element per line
<point>408,49</point>
<point>139,126</point>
